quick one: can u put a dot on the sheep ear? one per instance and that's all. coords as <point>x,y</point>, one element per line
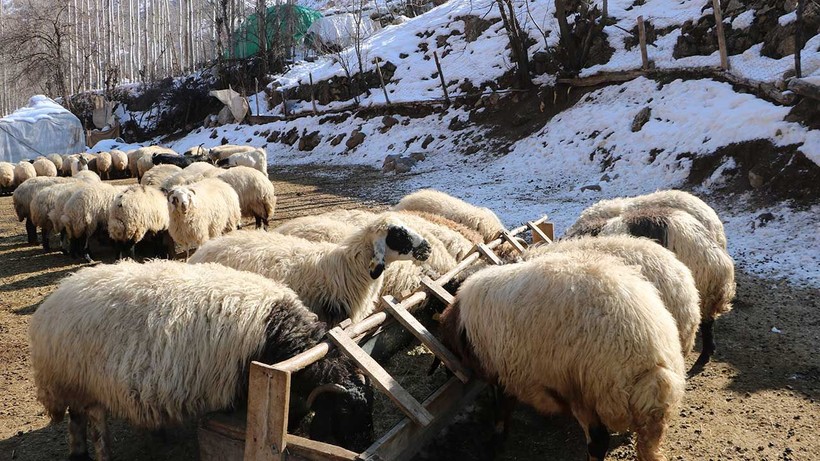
<point>377,263</point>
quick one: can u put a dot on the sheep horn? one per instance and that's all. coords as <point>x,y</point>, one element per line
<point>330,387</point>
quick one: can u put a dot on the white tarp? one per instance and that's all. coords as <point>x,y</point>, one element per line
<point>340,29</point>
<point>236,104</point>
<point>43,127</point>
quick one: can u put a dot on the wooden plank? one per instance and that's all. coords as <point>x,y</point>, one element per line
<point>423,334</point>
<point>489,254</point>
<point>381,378</point>
<point>506,235</point>
<point>381,80</point>
<point>441,77</point>
<point>437,290</point>
<point>541,232</point>
<point>805,89</point>
<point>724,57</point>
<point>218,446</point>
<point>642,42</point>
<point>405,439</point>
<point>268,402</point>
<point>302,448</point>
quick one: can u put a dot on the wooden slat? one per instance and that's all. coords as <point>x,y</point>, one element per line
<point>438,290</point>
<point>513,241</point>
<point>538,234</point>
<point>302,448</point>
<point>423,334</point>
<point>405,439</point>
<point>381,378</point>
<point>268,402</point>
<point>489,254</point>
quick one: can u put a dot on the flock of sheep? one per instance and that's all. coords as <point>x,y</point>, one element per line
<point>596,324</point>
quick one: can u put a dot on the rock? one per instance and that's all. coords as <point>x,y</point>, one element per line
<point>418,156</point>
<point>764,219</point>
<point>310,141</point>
<point>474,26</point>
<point>290,137</point>
<point>404,164</point>
<point>403,55</point>
<point>641,119</point>
<point>388,121</point>
<point>389,163</point>
<point>274,136</point>
<point>605,178</point>
<point>472,149</point>
<point>756,180</point>
<point>214,134</point>
<point>337,139</point>
<point>356,138</point>
<point>427,141</point>
<point>593,187</point>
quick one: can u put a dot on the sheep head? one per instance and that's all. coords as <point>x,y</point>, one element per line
<point>395,241</point>
<point>343,414</point>
<point>180,197</point>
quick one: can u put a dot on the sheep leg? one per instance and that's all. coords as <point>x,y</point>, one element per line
<point>64,242</point>
<point>597,442</point>
<point>31,232</point>
<point>77,445</point>
<point>99,434</point>
<point>649,440</point>
<point>708,336</point>
<point>46,246</point>
<point>259,222</point>
<point>87,250</point>
<point>504,406</point>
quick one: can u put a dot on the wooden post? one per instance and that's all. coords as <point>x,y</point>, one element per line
<point>724,56</point>
<point>381,79</point>
<point>312,94</point>
<point>441,77</point>
<point>268,403</point>
<point>285,102</point>
<point>604,12</point>
<point>798,39</point>
<point>257,95</point>
<point>642,41</point>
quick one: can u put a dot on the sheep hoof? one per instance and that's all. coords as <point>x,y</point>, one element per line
<point>79,457</point>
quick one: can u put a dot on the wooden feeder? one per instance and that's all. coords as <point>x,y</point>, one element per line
<point>263,436</point>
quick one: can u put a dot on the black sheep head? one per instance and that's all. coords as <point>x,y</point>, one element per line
<point>343,415</point>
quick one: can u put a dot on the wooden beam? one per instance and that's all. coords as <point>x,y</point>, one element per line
<point>724,56</point>
<point>405,439</point>
<point>423,334</point>
<point>441,77</point>
<point>381,378</point>
<point>437,290</point>
<point>489,254</point>
<point>381,80</point>
<point>542,232</point>
<point>804,88</point>
<point>642,42</point>
<point>302,448</point>
<point>506,235</point>
<point>267,423</point>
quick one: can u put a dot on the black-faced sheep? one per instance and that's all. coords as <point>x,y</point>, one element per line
<point>257,197</point>
<point>140,213</point>
<point>575,333</point>
<point>693,244</point>
<point>23,171</point>
<point>44,167</point>
<point>676,199</point>
<point>202,211</point>
<point>432,201</point>
<point>671,277</point>
<point>159,344</point>
<point>334,281</point>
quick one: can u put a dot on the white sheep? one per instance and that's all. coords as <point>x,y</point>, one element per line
<point>85,213</point>
<point>256,158</point>
<point>160,344</point>
<point>201,211</point>
<point>77,163</point>
<point>257,197</point>
<point>432,201</point>
<point>57,160</point>
<point>222,152</point>
<point>194,172</point>
<point>693,244</point>
<point>45,200</point>
<point>136,154</point>
<point>157,175</point>
<point>334,281</point>
<point>671,277</point>
<point>65,168</point>
<point>119,162</point>
<point>21,199</point>
<point>44,167</point>
<point>676,199</point>
<point>61,198</point>
<point>578,333</point>
<point>458,238</point>
<point>144,163</point>
<point>104,162</point>
<point>87,175</point>
<point>23,171</point>
<point>318,228</point>
<point>202,168</point>
<point>138,213</point>
<point>6,176</point>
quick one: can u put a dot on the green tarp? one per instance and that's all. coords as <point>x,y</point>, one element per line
<point>282,21</point>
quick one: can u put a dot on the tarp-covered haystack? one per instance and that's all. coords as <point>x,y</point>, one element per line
<point>282,21</point>
<point>41,128</point>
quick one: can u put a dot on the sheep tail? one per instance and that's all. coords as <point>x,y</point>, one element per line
<point>654,399</point>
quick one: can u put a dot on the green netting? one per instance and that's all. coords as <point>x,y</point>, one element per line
<point>282,21</point>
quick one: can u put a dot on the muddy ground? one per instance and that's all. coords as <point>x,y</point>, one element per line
<point>757,400</point>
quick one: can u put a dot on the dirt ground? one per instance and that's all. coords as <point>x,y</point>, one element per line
<point>757,400</point>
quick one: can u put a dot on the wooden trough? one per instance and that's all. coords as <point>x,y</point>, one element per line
<point>262,435</point>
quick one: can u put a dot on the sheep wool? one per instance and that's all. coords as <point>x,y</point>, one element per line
<point>44,167</point>
<point>6,176</point>
<point>203,168</point>
<point>256,158</point>
<point>257,197</point>
<point>575,332</point>
<point>87,211</point>
<point>157,175</point>
<point>432,201</point>
<point>137,211</point>
<point>671,277</point>
<point>104,162</point>
<point>119,160</point>
<point>45,200</point>
<point>202,211</point>
<point>57,160</point>
<point>23,171</point>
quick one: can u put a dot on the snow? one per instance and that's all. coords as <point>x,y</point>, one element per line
<point>787,19</point>
<point>743,20</point>
<point>39,108</point>
<point>107,145</point>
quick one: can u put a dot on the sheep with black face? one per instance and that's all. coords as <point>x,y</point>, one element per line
<point>335,281</point>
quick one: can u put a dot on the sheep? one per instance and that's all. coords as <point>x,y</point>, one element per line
<point>136,154</point>
<point>256,194</point>
<point>139,213</point>
<point>23,171</point>
<point>222,152</point>
<point>202,211</point>
<point>203,168</point>
<point>160,344</point>
<point>87,176</point>
<point>44,167</point>
<point>676,199</point>
<point>573,332</point>
<point>55,214</point>
<point>256,158</point>
<point>22,201</point>
<point>57,160</point>
<point>65,169</point>
<point>144,164</point>
<point>693,244</point>
<point>104,162</point>
<point>176,159</point>
<point>78,163</point>
<point>6,176</point>
<point>318,229</point>
<point>671,277</point>
<point>119,162</point>
<point>334,281</point>
<point>432,201</point>
<point>44,200</point>
<point>85,213</point>
<point>158,175</point>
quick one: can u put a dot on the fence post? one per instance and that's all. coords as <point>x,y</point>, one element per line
<point>724,57</point>
<point>257,95</point>
<point>312,94</point>
<point>285,101</point>
<point>642,41</point>
<point>381,79</point>
<point>441,77</point>
<point>798,39</point>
